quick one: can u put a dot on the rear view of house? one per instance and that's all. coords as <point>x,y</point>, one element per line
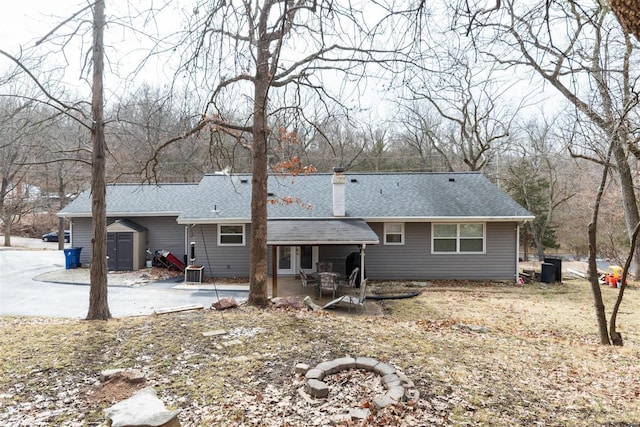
<point>406,225</point>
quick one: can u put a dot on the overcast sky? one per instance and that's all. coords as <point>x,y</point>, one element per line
<point>21,23</point>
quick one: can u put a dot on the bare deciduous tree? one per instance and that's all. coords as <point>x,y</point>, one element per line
<point>257,51</point>
<point>580,51</point>
<point>98,301</point>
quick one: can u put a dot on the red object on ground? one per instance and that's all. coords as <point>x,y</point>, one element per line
<point>174,261</point>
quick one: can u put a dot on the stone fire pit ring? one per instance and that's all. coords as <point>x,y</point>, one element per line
<point>397,385</point>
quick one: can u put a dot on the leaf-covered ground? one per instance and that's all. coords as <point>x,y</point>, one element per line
<point>536,360</point>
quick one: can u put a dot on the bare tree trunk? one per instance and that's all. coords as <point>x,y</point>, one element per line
<point>7,230</point>
<point>593,251</point>
<point>98,303</point>
<point>258,269</point>
<point>629,203</point>
<point>62,199</point>
<point>616,337</point>
<point>3,211</point>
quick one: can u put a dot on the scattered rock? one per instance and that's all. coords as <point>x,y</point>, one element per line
<point>109,373</point>
<point>301,368</point>
<point>309,303</point>
<point>317,388</point>
<point>287,302</point>
<point>231,343</point>
<point>225,303</point>
<point>142,409</point>
<point>132,376</point>
<point>359,413</point>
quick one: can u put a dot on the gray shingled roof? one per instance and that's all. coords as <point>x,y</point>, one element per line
<point>320,231</point>
<point>136,200</point>
<point>370,196</point>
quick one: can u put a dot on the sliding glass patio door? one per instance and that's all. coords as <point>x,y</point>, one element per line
<point>292,258</point>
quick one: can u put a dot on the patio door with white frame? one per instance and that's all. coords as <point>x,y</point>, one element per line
<point>292,258</point>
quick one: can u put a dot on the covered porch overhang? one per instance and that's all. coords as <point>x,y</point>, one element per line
<point>299,232</point>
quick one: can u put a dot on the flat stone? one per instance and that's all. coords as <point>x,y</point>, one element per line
<point>396,393</point>
<point>345,363</point>
<point>366,363</point>
<point>329,367</point>
<point>240,359</point>
<point>390,380</point>
<point>108,373</point>
<point>215,333</point>
<point>301,368</point>
<point>142,409</point>
<point>383,369</point>
<point>317,388</point>
<point>382,401</point>
<point>359,413</point>
<point>133,376</point>
<point>314,374</point>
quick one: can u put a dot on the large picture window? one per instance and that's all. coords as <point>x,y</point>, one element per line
<point>394,233</point>
<point>457,238</point>
<point>231,234</point>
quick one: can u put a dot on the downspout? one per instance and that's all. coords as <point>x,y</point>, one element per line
<point>517,250</point>
<point>186,239</point>
<point>362,249</point>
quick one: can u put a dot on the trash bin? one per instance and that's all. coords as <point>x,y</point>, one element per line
<point>557,267</point>
<point>72,257</point>
<point>548,272</point>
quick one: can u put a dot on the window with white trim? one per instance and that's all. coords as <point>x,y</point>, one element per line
<point>394,233</point>
<point>231,234</point>
<point>457,238</point>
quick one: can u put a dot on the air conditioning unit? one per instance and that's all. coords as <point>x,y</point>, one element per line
<point>193,274</point>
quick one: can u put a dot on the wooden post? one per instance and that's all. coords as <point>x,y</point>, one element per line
<point>274,271</point>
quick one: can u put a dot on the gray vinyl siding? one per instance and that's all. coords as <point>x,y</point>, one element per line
<point>220,261</point>
<point>414,259</point>
<point>164,233</point>
<point>81,238</point>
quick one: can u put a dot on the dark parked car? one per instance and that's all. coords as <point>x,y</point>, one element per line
<point>53,236</point>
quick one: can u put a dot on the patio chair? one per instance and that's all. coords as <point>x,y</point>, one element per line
<point>328,282</point>
<point>324,266</point>
<point>351,280</point>
<point>306,281</point>
<point>354,300</point>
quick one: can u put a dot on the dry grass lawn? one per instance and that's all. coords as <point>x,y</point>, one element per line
<point>537,362</point>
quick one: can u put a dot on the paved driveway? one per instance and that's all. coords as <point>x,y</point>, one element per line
<point>23,296</point>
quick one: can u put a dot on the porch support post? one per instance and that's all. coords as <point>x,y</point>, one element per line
<point>517,251</point>
<point>362,249</point>
<point>274,271</point>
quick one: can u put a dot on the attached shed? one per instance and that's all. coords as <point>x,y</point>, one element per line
<point>126,246</point>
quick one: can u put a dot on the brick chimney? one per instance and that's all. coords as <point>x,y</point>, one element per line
<point>338,181</point>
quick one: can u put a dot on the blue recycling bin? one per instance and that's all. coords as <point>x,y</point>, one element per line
<point>72,258</point>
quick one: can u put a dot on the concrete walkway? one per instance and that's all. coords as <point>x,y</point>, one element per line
<point>22,295</point>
